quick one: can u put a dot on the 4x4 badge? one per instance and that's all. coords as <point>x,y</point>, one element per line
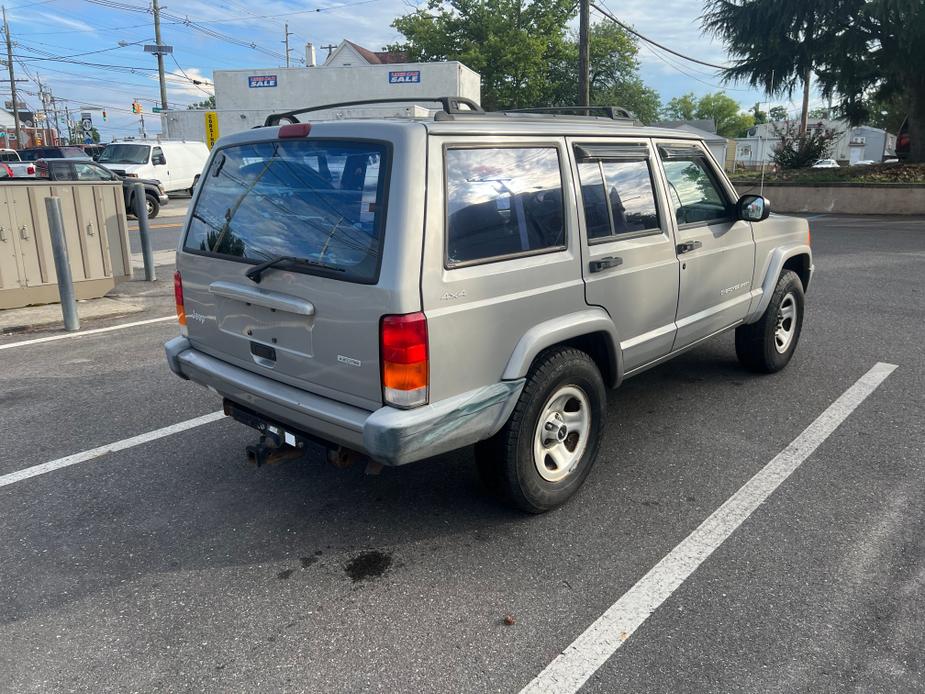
<point>349,361</point>
<point>449,296</point>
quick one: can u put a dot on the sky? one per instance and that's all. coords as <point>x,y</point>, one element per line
<point>111,34</point>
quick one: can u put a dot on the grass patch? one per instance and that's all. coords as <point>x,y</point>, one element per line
<point>874,173</point>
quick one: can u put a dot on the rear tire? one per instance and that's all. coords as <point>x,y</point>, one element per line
<point>547,448</point>
<point>767,345</point>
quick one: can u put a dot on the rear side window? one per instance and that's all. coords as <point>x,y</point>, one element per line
<point>503,202</point>
<point>320,201</point>
<point>8,156</point>
<point>618,197</point>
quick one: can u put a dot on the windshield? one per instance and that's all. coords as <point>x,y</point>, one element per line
<point>125,154</point>
<point>320,200</point>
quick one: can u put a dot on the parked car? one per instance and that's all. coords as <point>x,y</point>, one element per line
<point>402,288</point>
<point>903,142</point>
<point>825,164</point>
<point>176,164</point>
<point>864,162</point>
<point>74,170</point>
<point>63,152</point>
<point>18,168</point>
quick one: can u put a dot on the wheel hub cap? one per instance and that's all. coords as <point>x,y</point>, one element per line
<point>562,433</point>
<point>785,327</point>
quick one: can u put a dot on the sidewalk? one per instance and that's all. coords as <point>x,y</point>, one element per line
<point>128,298</point>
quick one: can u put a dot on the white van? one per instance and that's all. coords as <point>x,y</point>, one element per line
<point>175,164</point>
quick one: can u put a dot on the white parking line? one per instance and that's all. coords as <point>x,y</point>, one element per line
<point>580,660</point>
<point>81,333</point>
<point>75,458</point>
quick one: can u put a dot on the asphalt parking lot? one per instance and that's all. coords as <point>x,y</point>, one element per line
<point>173,565</point>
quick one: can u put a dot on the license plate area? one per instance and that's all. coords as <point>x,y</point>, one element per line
<point>279,434</point>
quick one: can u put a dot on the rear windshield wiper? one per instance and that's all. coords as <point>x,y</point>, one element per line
<point>255,272</point>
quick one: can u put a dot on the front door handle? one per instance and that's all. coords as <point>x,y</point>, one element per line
<point>604,263</point>
<point>688,246</point>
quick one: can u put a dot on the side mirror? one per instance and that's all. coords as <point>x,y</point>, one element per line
<point>753,208</point>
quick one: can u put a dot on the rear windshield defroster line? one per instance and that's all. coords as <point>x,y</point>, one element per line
<point>323,201</point>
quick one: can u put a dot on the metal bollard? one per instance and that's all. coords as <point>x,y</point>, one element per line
<point>141,213</point>
<point>62,265</point>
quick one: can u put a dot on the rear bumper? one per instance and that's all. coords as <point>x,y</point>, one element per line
<point>389,435</point>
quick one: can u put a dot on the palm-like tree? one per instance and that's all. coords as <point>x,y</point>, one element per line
<point>775,44</point>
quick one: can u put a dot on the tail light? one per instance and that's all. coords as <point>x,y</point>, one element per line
<point>405,364</point>
<point>30,170</point>
<point>178,297</point>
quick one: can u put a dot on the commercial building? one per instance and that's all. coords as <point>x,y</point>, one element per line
<point>852,143</point>
<point>244,98</point>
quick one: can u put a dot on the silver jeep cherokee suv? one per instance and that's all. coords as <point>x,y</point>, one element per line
<point>401,288</point>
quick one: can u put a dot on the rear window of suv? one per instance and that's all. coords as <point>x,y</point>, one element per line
<point>321,201</point>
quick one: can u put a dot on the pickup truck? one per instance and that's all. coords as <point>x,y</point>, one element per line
<point>17,167</point>
<point>86,170</point>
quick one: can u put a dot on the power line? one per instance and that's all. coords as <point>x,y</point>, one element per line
<point>635,33</point>
<point>183,72</point>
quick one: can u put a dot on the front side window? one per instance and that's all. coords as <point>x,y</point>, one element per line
<point>319,201</point>
<point>694,192</point>
<point>157,156</point>
<point>617,197</point>
<point>503,202</point>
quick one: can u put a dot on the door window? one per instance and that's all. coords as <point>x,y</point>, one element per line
<point>618,198</point>
<point>88,172</point>
<point>503,202</point>
<point>694,192</point>
<point>157,156</point>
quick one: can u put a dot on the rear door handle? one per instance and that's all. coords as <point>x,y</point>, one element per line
<point>604,263</point>
<point>688,246</point>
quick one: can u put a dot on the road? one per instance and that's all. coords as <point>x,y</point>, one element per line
<point>165,228</point>
<point>175,566</point>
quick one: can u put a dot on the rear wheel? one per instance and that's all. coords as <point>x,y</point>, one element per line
<point>548,446</point>
<point>767,345</point>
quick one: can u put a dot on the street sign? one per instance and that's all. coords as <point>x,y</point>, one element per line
<point>211,128</point>
<point>154,48</point>
<point>157,109</point>
<point>88,140</point>
<point>86,124</point>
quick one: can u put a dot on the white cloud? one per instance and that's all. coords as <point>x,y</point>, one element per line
<point>177,83</point>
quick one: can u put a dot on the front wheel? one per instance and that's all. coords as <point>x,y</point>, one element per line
<point>767,345</point>
<point>543,454</point>
<point>152,205</point>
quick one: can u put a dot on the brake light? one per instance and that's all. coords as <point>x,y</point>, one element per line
<point>30,170</point>
<point>405,364</point>
<point>295,130</point>
<point>178,297</point>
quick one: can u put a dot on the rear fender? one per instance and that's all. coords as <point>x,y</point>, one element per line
<point>564,329</point>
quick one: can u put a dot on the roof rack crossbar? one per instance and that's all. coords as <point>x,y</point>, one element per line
<point>450,104</point>
<point>612,112</point>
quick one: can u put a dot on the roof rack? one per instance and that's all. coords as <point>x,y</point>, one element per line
<point>612,112</point>
<point>451,106</point>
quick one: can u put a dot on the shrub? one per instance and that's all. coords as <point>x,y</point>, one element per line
<point>801,150</point>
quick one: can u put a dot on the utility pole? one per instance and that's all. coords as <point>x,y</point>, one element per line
<point>329,48</point>
<point>70,131</point>
<point>160,65</point>
<point>286,42</point>
<point>584,54</point>
<point>9,63</point>
<point>43,98</point>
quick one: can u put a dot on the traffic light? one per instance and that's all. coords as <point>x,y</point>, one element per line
<point>136,107</point>
<point>104,116</point>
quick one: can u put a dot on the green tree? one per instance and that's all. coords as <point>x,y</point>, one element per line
<point>726,113</point>
<point>820,113</point>
<point>206,105</point>
<point>681,107</point>
<point>798,150</point>
<point>775,44</point>
<point>758,115</point>
<point>777,113</point>
<point>877,56</point>
<point>95,135</point>
<point>614,74</point>
<point>511,43</point>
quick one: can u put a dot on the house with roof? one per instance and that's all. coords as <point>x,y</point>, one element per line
<point>349,54</point>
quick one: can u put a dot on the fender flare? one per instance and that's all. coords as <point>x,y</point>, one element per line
<point>561,329</point>
<point>779,256</point>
